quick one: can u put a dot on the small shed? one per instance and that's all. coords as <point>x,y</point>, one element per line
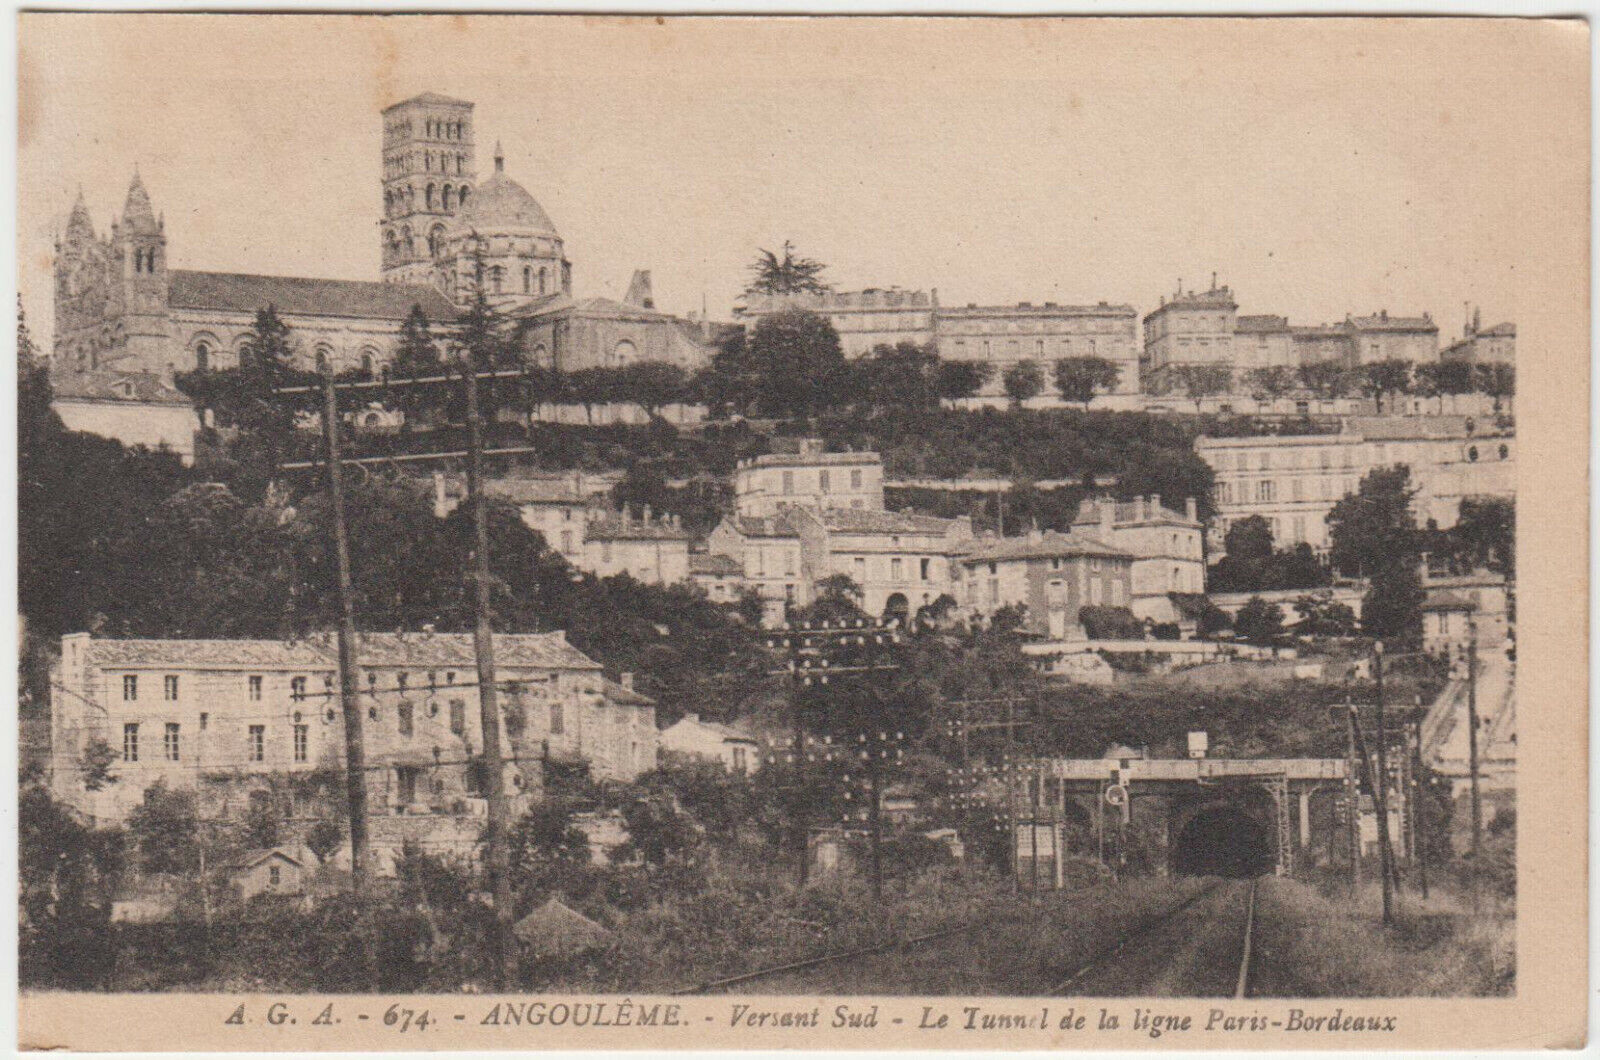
<point>557,930</point>
<point>272,871</point>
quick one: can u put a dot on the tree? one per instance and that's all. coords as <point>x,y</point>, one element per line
<point>164,831</point>
<point>1385,378</point>
<point>66,874</point>
<point>1434,378</point>
<point>653,385</point>
<point>1022,381</point>
<point>1375,535</point>
<point>1322,616</point>
<point>1326,379</point>
<point>1497,380</point>
<point>1258,622</point>
<point>1081,378</point>
<point>799,365</point>
<point>838,598</point>
<point>1101,622</point>
<point>899,376</point>
<point>789,274</point>
<point>1485,535</point>
<point>593,386</point>
<point>1270,382</point>
<point>1200,381</point>
<point>416,355</point>
<point>956,380</point>
<point>324,840</point>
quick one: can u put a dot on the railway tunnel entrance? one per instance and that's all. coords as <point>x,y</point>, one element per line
<point>1227,835</point>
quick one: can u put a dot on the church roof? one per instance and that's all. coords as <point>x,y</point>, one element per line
<point>78,224</point>
<point>431,97</point>
<point>305,296</point>
<point>501,202</point>
<point>110,385</point>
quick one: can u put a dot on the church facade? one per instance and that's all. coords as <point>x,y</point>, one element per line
<point>122,315</point>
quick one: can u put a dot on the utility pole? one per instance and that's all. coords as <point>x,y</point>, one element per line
<point>1419,802</point>
<point>488,695</point>
<point>1011,792</point>
<point>349,694</point>
<point>1381,791</point>
<point>1385,854</point>
<point>1352,796</point>
<point>1472,750</point>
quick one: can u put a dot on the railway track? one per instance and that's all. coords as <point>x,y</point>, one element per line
<point>1150,943</point>
<point>1130,941</point>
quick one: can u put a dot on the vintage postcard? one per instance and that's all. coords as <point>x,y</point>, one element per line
<point>928,533</point>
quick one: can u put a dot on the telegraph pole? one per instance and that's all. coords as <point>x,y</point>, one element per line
<point>349,693</point>
<point>1472,751</point>
<point>488,695</point>
<point>1385,854</point>
<point>1352,795</point>
<point>1380,791</point>
<point>1419,802</point>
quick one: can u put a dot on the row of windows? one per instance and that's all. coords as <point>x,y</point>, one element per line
<point>255,683</point>
<point>446,199</point>
<point>1012,348</point>
<point>445,130</point>
<point>144,260</point>
<point>824,481</point>
<point>897,569</point>
<point>255,742</point>
<point>1266,459</point>
<point>1265,491</point>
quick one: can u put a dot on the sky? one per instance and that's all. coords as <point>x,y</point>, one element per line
<point>1319,167</point>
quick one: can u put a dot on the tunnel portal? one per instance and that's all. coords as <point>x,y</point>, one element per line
<point>1224,839</point>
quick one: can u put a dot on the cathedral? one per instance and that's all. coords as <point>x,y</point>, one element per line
<point>125,323</point>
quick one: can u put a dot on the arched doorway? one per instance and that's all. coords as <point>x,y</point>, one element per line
<point>897,608</point>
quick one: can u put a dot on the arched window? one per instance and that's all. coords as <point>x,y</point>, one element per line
<point>436,241</point>
<point>497,278</point>
<point>366,364</point>
<point>322,360</point>
<point>428,198</point>
<point>543,277</point>
<point>1505,452</point>
<point>459,164</point>
<point>202,357</point>
<point>624,353</point>
<point>1472,453</point>
<point>541,355</point>
<point>411,198</point>
<point>444,202</point>
<point>527,279</point>
<point>461,198</point>
<point>407,241</point>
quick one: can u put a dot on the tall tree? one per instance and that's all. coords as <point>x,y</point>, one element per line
<point>1326,379</point>
<point>1270,382</point>
<point>799,364</point>
<point>1023,380</point>
<point>899,376</point>
<point>1200,381</point>
<point>1374,535</point>
<point>786,274</point>
<point>1081,378</point>
<point>416,355</point>
<point>956,380</point>
<point>1386,378</point>
<point>1497,380</point>
<point>652,385</point>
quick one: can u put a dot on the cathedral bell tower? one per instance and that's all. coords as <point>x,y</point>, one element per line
<point>429,173</point>
<point>138,289</point>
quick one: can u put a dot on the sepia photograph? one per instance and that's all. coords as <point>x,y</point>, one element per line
<point>792,532</point>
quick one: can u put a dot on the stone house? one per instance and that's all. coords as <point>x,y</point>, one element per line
<point>1053,575</point>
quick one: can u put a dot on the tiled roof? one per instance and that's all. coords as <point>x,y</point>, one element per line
<point>610,307</point>
<point>431,97</point>
<point>811,459</point>
<point>624,697</point>
<point>500,203</point>
<point>1507,330</point>
<point>1220,298</point>
<point>780,525</point>
<point>1047,545</point>
<point>217,654</point>
<point>613,528</point>
<point>1264,323</point>
<point>867,521</point>
<point>142,387</point>
<point>536,650</point>
<point>714,563</point>
<point>541,650</point>
<point>1379,322</point>
<point>305,296</point>
<point>535,491</point>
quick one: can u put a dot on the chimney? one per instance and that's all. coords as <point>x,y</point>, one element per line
<point>439,499</point>
<point>1191,509</point>
<point>625,679</point>
<point>639,292</point>
<point>646,520</point>
<point>1155,503</point>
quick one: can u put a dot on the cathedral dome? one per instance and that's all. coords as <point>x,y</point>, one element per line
<point>501,203</point>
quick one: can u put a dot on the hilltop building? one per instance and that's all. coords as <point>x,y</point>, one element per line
<point>123,316</point>
<point>1167,548</point>
<point>997,335</point>
<point>1481,345</point>
<point>807,476</point>
<point>1293,481</point>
